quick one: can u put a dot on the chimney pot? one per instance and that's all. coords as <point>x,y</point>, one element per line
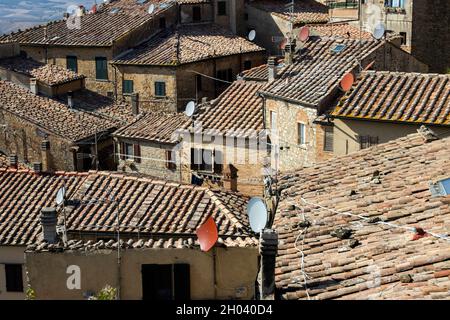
<point>34,86</point>
<point>271,66</point>
<point>45,153</point>
<point>13,161</point>
<point>268,250</point>
<point>70,99</point>
<point>135,103</point>
<point>48,222</point>
<point>37,167</point>
<point>204,100</point>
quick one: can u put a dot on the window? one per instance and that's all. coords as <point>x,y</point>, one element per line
<point>221,8</point>
<point>273,120</point>
<point>196,14</point>
<point>162,23</point>
<point>394,3</point>
<point>301,133</point>
<point>404,37</point>
<point>127,86</point>
<point>101,68</point>
<point>198,82</point>
<point>160,89</point>
<point>367,141</point>
<point>226,75</point>
<point>131,152</point>
<point>170,160</point>
<point>206,160</point>
<point>247,64</point>
<point>72,63</point>
<point>14,280</point>
<point>328,143</point>
<point>166,282</point>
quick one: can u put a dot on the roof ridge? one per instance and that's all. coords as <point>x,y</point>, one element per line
<point>223,208</point>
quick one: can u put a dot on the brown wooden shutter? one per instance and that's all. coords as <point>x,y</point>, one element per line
<point>137,153</point>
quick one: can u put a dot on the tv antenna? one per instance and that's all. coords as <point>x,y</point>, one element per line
<point>60,200</point>
<point>190,109</point>
<point>379,31</point>
<point>151,9</point>
<point>347,82</point>
<point>207,234</point>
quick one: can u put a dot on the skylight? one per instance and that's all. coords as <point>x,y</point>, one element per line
<point>440,188</point>
<point>338,48</point>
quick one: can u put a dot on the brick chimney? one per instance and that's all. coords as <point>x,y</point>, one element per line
<point>271,66</point>
<point>229,178</point>
<point>13,161</point>
<point>48,223</point>
<point>268,249</point>
<point>135,103</point>
<point>45,153</point>
<point>34,86</point>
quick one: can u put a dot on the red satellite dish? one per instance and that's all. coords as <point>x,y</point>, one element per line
<point>207,235</point>
<point>303,35</point>
<point>347,81</point>
<point>283,44</point>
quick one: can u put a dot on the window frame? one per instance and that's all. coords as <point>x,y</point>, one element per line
<point>124,86</point>
<point>326,131</point>
<point>103,75</point>
<point>163,83</point>
<point>17,285</point>
<point>301,133</point>
<point>74,60</point>
<point>222,11</point>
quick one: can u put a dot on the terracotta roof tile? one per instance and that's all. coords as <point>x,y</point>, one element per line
<point>166,213</point>
<point>51,115</point>
<point>343,30</point>
<point>49,74</point>
<point>100,29</point>
<point>305,11</point>
<point>373,261</point>
<point>318,71</point>
<point>188,43</point>
<point>403,97</point>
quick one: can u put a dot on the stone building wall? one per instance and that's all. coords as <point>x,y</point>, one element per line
<point>291,154</point>
<point>431,34</point>
<point>20,137</point>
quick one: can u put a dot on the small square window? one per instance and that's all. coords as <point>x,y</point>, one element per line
<point>160,89</point>
<point>247,64</point>
<point>221,8</point>
<point>127,86</point>
<point>14,279</point>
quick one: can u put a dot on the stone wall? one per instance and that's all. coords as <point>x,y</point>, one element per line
<point>431,36</point>
<point>291,154</point>
<point>20,137</point>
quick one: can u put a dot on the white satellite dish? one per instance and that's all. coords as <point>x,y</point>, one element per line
<point>151,8</point>
<point>252,35</point>
<point>60,195</point>
<point>379,31</point>
<point>190,109</point>
<point>257,214</point>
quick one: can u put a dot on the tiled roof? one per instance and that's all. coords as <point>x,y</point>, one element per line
<point>22,196</point>
<point>192,1</point>
<point>388,183</point>
<point>305,11</point>
<point>47,73</point>
<point>100,29</point>
<point>259,73</point>
<point>237,109</point>
<point>51,115</point>
<point>404,97</point>
<point>188,43</point>
<point>343,30</point>
<point>163,214</point>
<point>155,126</point>
<point>318,71</point>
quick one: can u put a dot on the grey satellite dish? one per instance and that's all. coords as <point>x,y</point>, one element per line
<point>190,109</point>
<point>60,195</point>
<point>257,214</point>
<point>252,35</point>
<point>151,8</point>
<point>378,32</point>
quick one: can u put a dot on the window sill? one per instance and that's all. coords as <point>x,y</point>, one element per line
<point>102,80</point>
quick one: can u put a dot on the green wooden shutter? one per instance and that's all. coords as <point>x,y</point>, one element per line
<point>72,63</point>
<point>101,68</point>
